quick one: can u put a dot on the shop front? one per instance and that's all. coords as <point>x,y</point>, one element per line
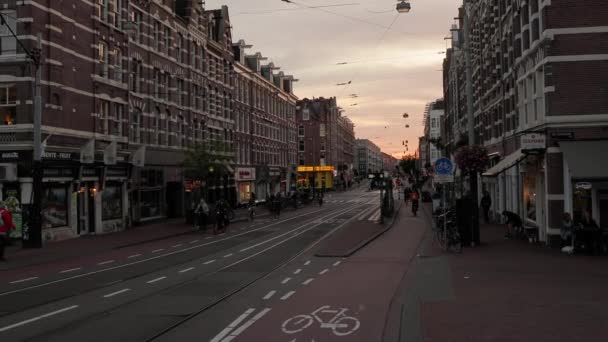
<point>149,197</point>
<point>245,182</point>
<point>319,177</point>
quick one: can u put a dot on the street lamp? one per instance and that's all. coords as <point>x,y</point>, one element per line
<point>404,6</point>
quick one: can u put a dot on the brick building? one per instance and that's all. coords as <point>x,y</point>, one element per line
<point>539,71</point>
<point>265,126</point>
<point>368,157</point>
<point>127,87</point>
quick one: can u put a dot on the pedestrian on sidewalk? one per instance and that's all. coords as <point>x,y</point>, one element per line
<point>514,224</point>
<point>201,212</point>
<point>5,228</point>
<point>486,203</point>
<point>567,234</point>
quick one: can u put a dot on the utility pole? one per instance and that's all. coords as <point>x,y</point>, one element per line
<point>34,234</point>
<point>475,240</point>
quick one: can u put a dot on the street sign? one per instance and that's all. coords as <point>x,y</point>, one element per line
<point>444,169</point>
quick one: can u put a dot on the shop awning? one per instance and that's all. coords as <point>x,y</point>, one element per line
<point>505,164</point>
<point>585,158</point>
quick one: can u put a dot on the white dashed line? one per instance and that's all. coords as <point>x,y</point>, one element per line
<point>228,255</point>
<point>308,281</point>
<point>133,256</point>
<point>71,270</point>
<point>9,327</point>
<point>158,250</point>
<point>286,280</point>
<point>324,271</point>
<point>186,270</point>
<point>22,280</point>
<point>297,271</point>
<point>194,241</point>
<point>176,246</point>
<point>105,262</point>
<point>287,295</point>
<point>116,293</point>
<point>337,263</point>
<point>209,262</point>
<point>307,263</point>
<point>209,238</point>
<point>270,294</point>
<point>155,280</point>
<point>247,324</point>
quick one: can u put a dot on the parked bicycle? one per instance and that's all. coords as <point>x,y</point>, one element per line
<point>446,231</point>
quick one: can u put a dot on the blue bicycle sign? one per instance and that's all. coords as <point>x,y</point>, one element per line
<point>444,166</point>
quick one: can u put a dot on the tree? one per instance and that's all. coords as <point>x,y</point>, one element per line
<point>408,165</point>
<point>203,163</point>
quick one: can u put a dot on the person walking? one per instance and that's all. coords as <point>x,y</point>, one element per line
<point>251,208</point>
<point>486,203</point>
<point>278,199</point>
<point>202,213</point>
<point>5,228</point>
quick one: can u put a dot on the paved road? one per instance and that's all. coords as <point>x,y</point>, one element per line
<point>138,292</point>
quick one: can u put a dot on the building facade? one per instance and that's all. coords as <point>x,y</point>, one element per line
<point>368,157</point>
<point>540,106</point>
<point>389,163</point>
<point>266,126</point>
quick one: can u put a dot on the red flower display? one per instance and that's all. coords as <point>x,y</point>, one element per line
<point>471,159</point>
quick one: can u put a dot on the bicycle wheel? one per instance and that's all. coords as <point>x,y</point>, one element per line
<point>346,326</point>
<point>296,324</point>
<point>440,238</point>
<point>455,242</point>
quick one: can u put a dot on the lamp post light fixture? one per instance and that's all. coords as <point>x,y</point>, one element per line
<point>403,6</point>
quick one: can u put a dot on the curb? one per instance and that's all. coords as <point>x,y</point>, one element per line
<point>365,242</point>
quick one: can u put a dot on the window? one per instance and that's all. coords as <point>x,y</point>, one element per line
<point>113,12</point>
<point>157,35</point>
<point>157,83</point>
<point>104,115</point>
<point>136,75</point>
<point>322,146</point>
<point>111,202</point>
<point>117,54</point>
<point>179,47</point>
<point>55,206</point>
<point>322,130</point>
<point>8,104</point>
<point>180,92</point>
<point>168,40</point>
<point>135,128</point>
<point>8,43</point>
<point>433,122</point>
<point>306,115</point>
<point>156,127</point>
<point>116,122</point>
<point>102,57</point>
<point>301,146</point>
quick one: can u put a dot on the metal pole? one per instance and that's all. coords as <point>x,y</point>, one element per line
<point>445,220</point>
<point>471,125</point>
<point>34,235</point>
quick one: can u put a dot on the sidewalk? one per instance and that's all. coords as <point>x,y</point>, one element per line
<point>504,290</point>
<point>94,244</point>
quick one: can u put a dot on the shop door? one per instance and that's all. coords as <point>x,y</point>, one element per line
<point>91,209</point>
<point>174,199</point>
<point>83,215</point>
<point>603,206</point>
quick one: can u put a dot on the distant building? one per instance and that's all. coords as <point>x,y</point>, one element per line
<point>389,162</point>
<point>432,129</point>
<point>368,157</point>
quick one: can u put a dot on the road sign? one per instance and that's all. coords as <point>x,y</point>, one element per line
<point>444,169</point>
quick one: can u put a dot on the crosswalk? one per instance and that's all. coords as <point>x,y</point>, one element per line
<point>351,201</point>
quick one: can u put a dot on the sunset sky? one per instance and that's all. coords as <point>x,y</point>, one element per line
<point>393,71</point>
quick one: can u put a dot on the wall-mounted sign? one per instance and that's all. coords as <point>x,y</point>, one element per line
<point>583,186</point>
<point>244,174</point>
<point>316,168</point>
<point>533,142</point>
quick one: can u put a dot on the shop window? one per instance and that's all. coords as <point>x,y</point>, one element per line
<point>582,202</point>
<point>530,195</point>
<point>55,206</point>
<point>151,203</point>
<point>8,43</point>
<point>111,202</point>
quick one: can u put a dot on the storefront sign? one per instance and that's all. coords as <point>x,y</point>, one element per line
<point>117,172</point>
<point>533,141</point>
<point>57,155</point>
<point>316,168</point>
<point>583,186</point>
<point>12,156</point>
<point>244,174</point>
<point>274,172</point>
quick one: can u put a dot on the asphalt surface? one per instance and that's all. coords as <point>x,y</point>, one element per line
<point>159,290</point>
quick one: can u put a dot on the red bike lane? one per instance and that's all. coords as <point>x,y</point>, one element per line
<point>349,302</point>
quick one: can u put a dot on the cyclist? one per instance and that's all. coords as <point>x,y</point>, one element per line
<point>415,197</point>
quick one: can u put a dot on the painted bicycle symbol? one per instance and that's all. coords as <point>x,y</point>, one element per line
<point>338,322</point>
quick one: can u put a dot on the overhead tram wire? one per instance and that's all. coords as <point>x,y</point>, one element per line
<point>293,9</point>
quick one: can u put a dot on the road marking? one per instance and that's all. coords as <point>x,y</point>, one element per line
<point>105,262</point>
<point>37,318</point>
<point>158,250</point>
<point>185,250</point>
<point>176,246</point>
<point>209,238</point>
<point>270,294</point>
<point>308,281</point>
<point>194,241</point>
<point>375,216</point>
<point>186,270</point>
<point>247,324</point>
<point>116,293</point>
<point>209,262</point>
<point>232,325</point>
<point>155,280</point>
<point>297,271</point>
<point>23,280</point>
<point>71,270</point>
<point>307,263</point>
<point>287,295</point>
<point>324,271</point>
<point>286,280</point>
<point>337,263</point>
<point>133,256</point>
<point>228,255</point>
